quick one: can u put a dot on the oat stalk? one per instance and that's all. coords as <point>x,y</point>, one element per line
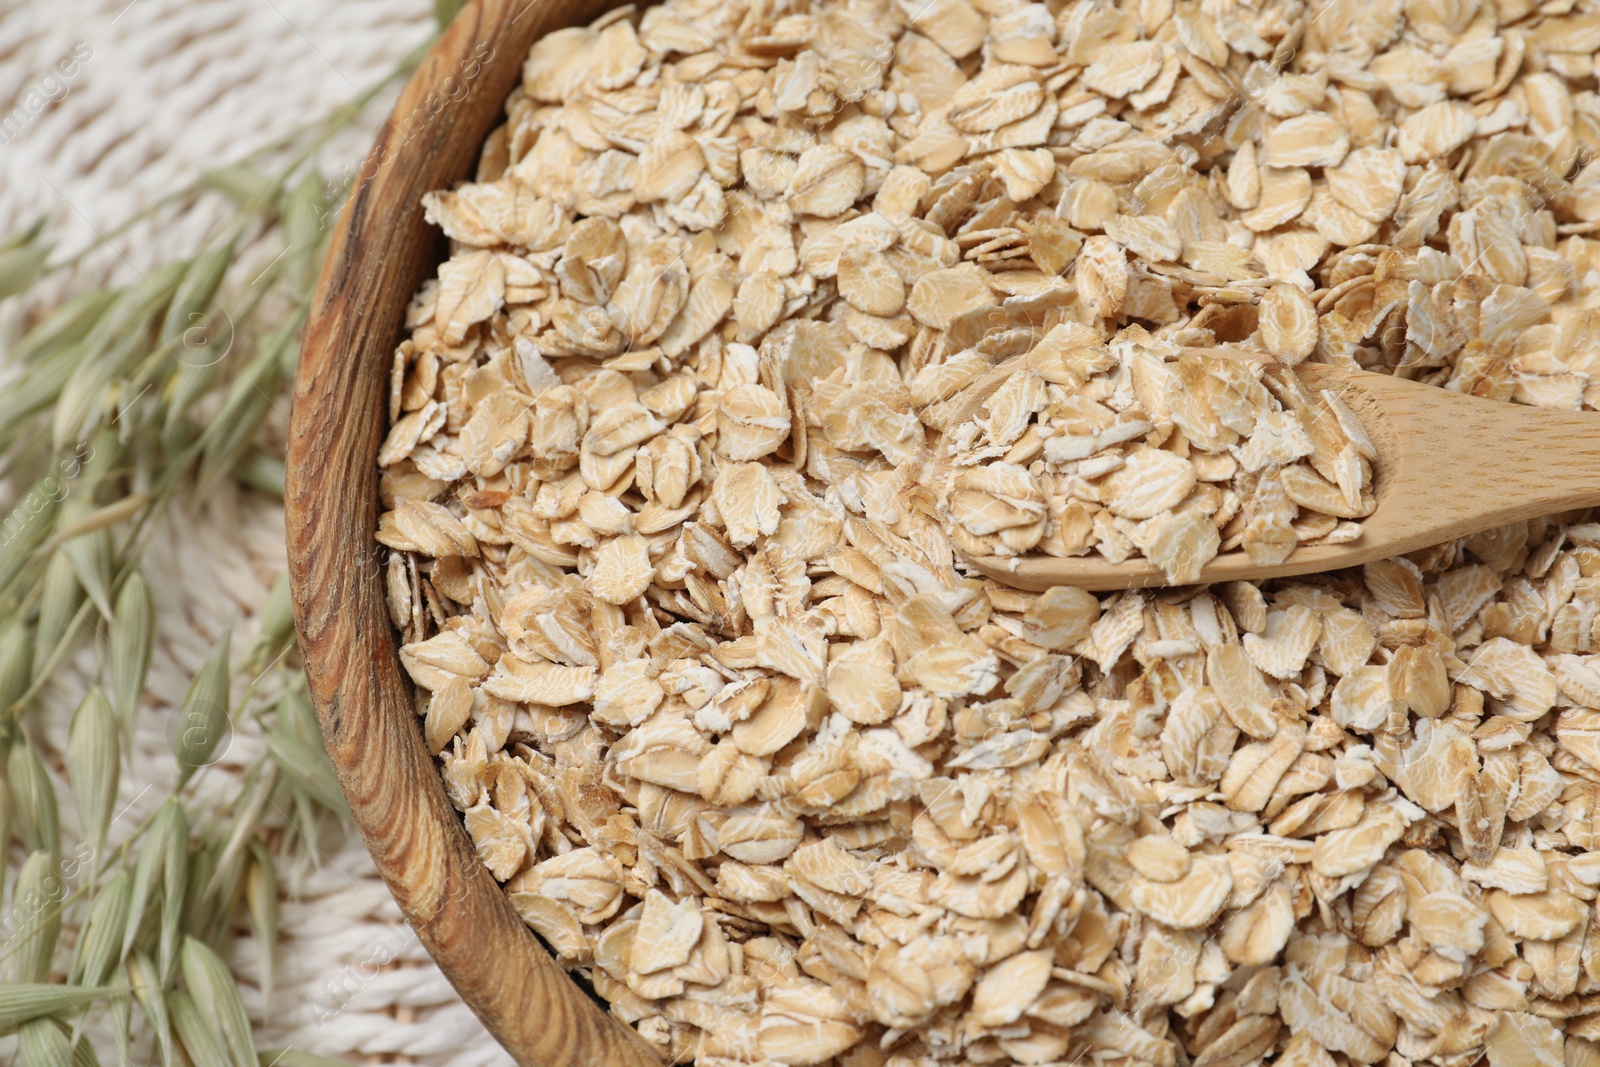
<point>120,402</point>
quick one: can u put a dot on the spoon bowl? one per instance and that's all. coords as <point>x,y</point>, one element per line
<point>1448,465</point>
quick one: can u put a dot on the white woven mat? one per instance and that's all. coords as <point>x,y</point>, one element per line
<point>161,90</point>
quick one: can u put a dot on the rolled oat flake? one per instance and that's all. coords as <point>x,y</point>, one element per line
<point>681,485</point>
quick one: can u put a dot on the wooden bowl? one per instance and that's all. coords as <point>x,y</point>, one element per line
<point>381,251</point>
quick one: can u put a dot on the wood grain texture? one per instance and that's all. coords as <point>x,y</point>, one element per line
<point>381,251</point>
<point>1448,466</point>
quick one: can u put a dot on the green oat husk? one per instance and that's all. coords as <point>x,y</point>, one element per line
<point>205,723</point>
<point>27,525</point>
<point>97,464</point>
<point>175,892</point>
<point>16,662</point>
<point>147,992</point>
<point>99,947</point>
<point>94,765</point>
<point>115,346</point>
<point>244,410</point>
<point>304,210</point>
<point>39,388</point>
<point>85,540</point>
<point>21,257</point>
<point>203,915</point>
<point>241,834</point>
<point>133,628</point>
<point>58,604</point>
<point>168,834</point>
<point>263,472</point>
<point>191,300</point>
<point>200,335</point>
<point>276,627</point>
<point>307,767</point>
<point>119,1006</point>
<point>244,185</point>
<point>67,324</point>
<point>6,805</point>
<point>42,1043</point>
<point>83,1053</point>
<point>201,1041</point>
<point>33,800</point>
<point>215,993</point>
<point>20,1002</point>
<point>36,909</point>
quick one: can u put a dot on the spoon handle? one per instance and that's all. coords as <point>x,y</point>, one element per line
<point>1451,465</point>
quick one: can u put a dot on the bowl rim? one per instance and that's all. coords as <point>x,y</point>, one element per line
<point>380,251</point>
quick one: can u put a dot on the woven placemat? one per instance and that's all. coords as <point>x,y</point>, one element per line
<point>112,105</point>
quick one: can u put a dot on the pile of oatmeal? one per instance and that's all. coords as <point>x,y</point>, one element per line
<point>680,488</point>
<point>1142,448</point>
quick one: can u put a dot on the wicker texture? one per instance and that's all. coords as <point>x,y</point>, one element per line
<point>171,87</point>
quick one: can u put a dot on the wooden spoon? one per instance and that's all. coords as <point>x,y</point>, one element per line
<point>1448,465</point>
